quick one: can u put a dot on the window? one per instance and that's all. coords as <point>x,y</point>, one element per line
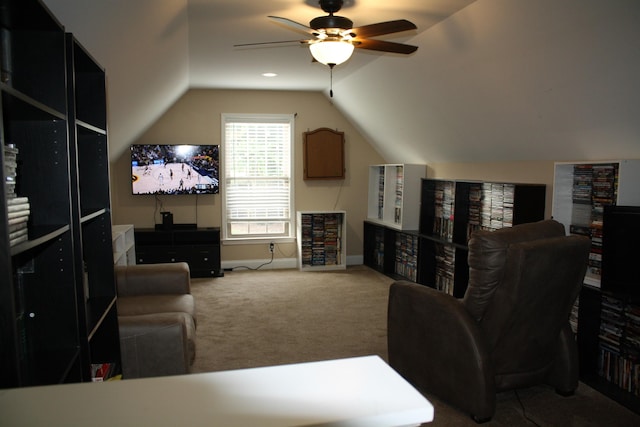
<point>258,176</point>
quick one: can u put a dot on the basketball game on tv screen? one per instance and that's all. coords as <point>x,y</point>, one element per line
<point>174,169</point>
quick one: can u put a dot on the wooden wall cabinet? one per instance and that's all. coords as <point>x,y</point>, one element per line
<point>323,154</point>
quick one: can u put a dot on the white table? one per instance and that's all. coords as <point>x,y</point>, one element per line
<point>361,391</point>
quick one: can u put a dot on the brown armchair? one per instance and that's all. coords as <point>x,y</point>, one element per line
<point>156,318</point>
<point>511,329</point>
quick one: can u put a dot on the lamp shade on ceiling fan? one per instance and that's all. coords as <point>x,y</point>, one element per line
<point>331,52</point>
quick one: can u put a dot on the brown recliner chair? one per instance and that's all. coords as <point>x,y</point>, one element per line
<point>511,329</point>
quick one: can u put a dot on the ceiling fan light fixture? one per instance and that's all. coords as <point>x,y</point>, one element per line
<point>331,52</point>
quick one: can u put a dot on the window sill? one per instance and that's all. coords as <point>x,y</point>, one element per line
<point>258,241</point>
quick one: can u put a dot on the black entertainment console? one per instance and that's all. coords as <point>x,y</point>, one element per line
<point>199,247</point>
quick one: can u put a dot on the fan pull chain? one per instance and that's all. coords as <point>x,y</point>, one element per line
<point>331,80</point>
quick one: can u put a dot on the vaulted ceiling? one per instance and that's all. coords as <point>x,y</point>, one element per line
<point>491,80</point>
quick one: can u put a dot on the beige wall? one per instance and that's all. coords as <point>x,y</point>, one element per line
<point>195,119</point>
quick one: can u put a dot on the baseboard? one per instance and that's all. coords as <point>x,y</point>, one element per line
<point>262,264</point>
<point>355,260</point>
<point>278,263</point>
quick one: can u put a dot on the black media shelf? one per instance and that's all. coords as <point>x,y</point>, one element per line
<point>199,247</point>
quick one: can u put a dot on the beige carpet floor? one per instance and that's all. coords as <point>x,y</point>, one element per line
<point>269,317</point>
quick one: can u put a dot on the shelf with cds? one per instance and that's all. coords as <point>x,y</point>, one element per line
<point>581,190</point>
<point>376,239</point>
<point>392,252</point>
<point>36,172</point>
<point>600,199</point>
<point>609,345</point>
<point>322,240</point>
<point>450,210</point>
<point>54,327</point>
<point>394,191</point>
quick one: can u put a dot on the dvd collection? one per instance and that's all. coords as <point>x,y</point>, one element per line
<point>321,235</point>
<point>397,212</point>
<point>407,256</point>
<point>381,192</point>
<point>490,207</point>
<point>619,345</point>
<point>18,208</point>
<point>594,187</point>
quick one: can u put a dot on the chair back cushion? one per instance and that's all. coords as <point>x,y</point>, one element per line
<point>488,255</point>
<point>523,282</point>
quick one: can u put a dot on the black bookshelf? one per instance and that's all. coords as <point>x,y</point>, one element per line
<point>608,329</point>
<point>599,199</point>
<point>57,293</point>
<point>609,345</point>
<point>436,254</point>
<point>199,247</point>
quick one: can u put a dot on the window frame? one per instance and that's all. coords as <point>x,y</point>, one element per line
<point>289,235</point>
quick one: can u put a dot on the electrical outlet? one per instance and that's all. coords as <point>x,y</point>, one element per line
<point>271,247</point>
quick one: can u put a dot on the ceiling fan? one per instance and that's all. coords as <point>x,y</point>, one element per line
<point>334,37</point>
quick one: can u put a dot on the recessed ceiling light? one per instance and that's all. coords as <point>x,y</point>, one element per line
<point>269,74</point>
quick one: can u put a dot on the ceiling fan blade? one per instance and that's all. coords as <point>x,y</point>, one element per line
<point>382,28</point>
<point>266,43</point>
<point>293,24</point>
<point>384,46</point>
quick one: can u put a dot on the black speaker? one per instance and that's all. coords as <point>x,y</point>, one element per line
<point>167,220</point>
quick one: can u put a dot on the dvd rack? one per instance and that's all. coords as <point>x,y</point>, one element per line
<point>444,195</point>
<point>594,187</point>
<point>406,256</point>
<point>393,195</point>
<point>321,240</point>
<point>449,212</point>
<point>580,192</point>
<point>619,344</point>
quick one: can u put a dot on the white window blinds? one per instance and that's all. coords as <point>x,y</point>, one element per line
<point>257,176</point>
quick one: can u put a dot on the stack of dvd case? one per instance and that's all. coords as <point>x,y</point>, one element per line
<point>18,208</point>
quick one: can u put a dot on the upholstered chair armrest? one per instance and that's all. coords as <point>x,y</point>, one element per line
<point>565,373</point>
<point>155,345</point>
<point>153,279</point>
<point>437,346</point>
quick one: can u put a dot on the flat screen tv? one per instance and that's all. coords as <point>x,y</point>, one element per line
<point>621,250</point>
<point>168,169</point>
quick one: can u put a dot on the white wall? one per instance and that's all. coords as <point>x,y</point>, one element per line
<point>143,45</point>
<point>508,80</point>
